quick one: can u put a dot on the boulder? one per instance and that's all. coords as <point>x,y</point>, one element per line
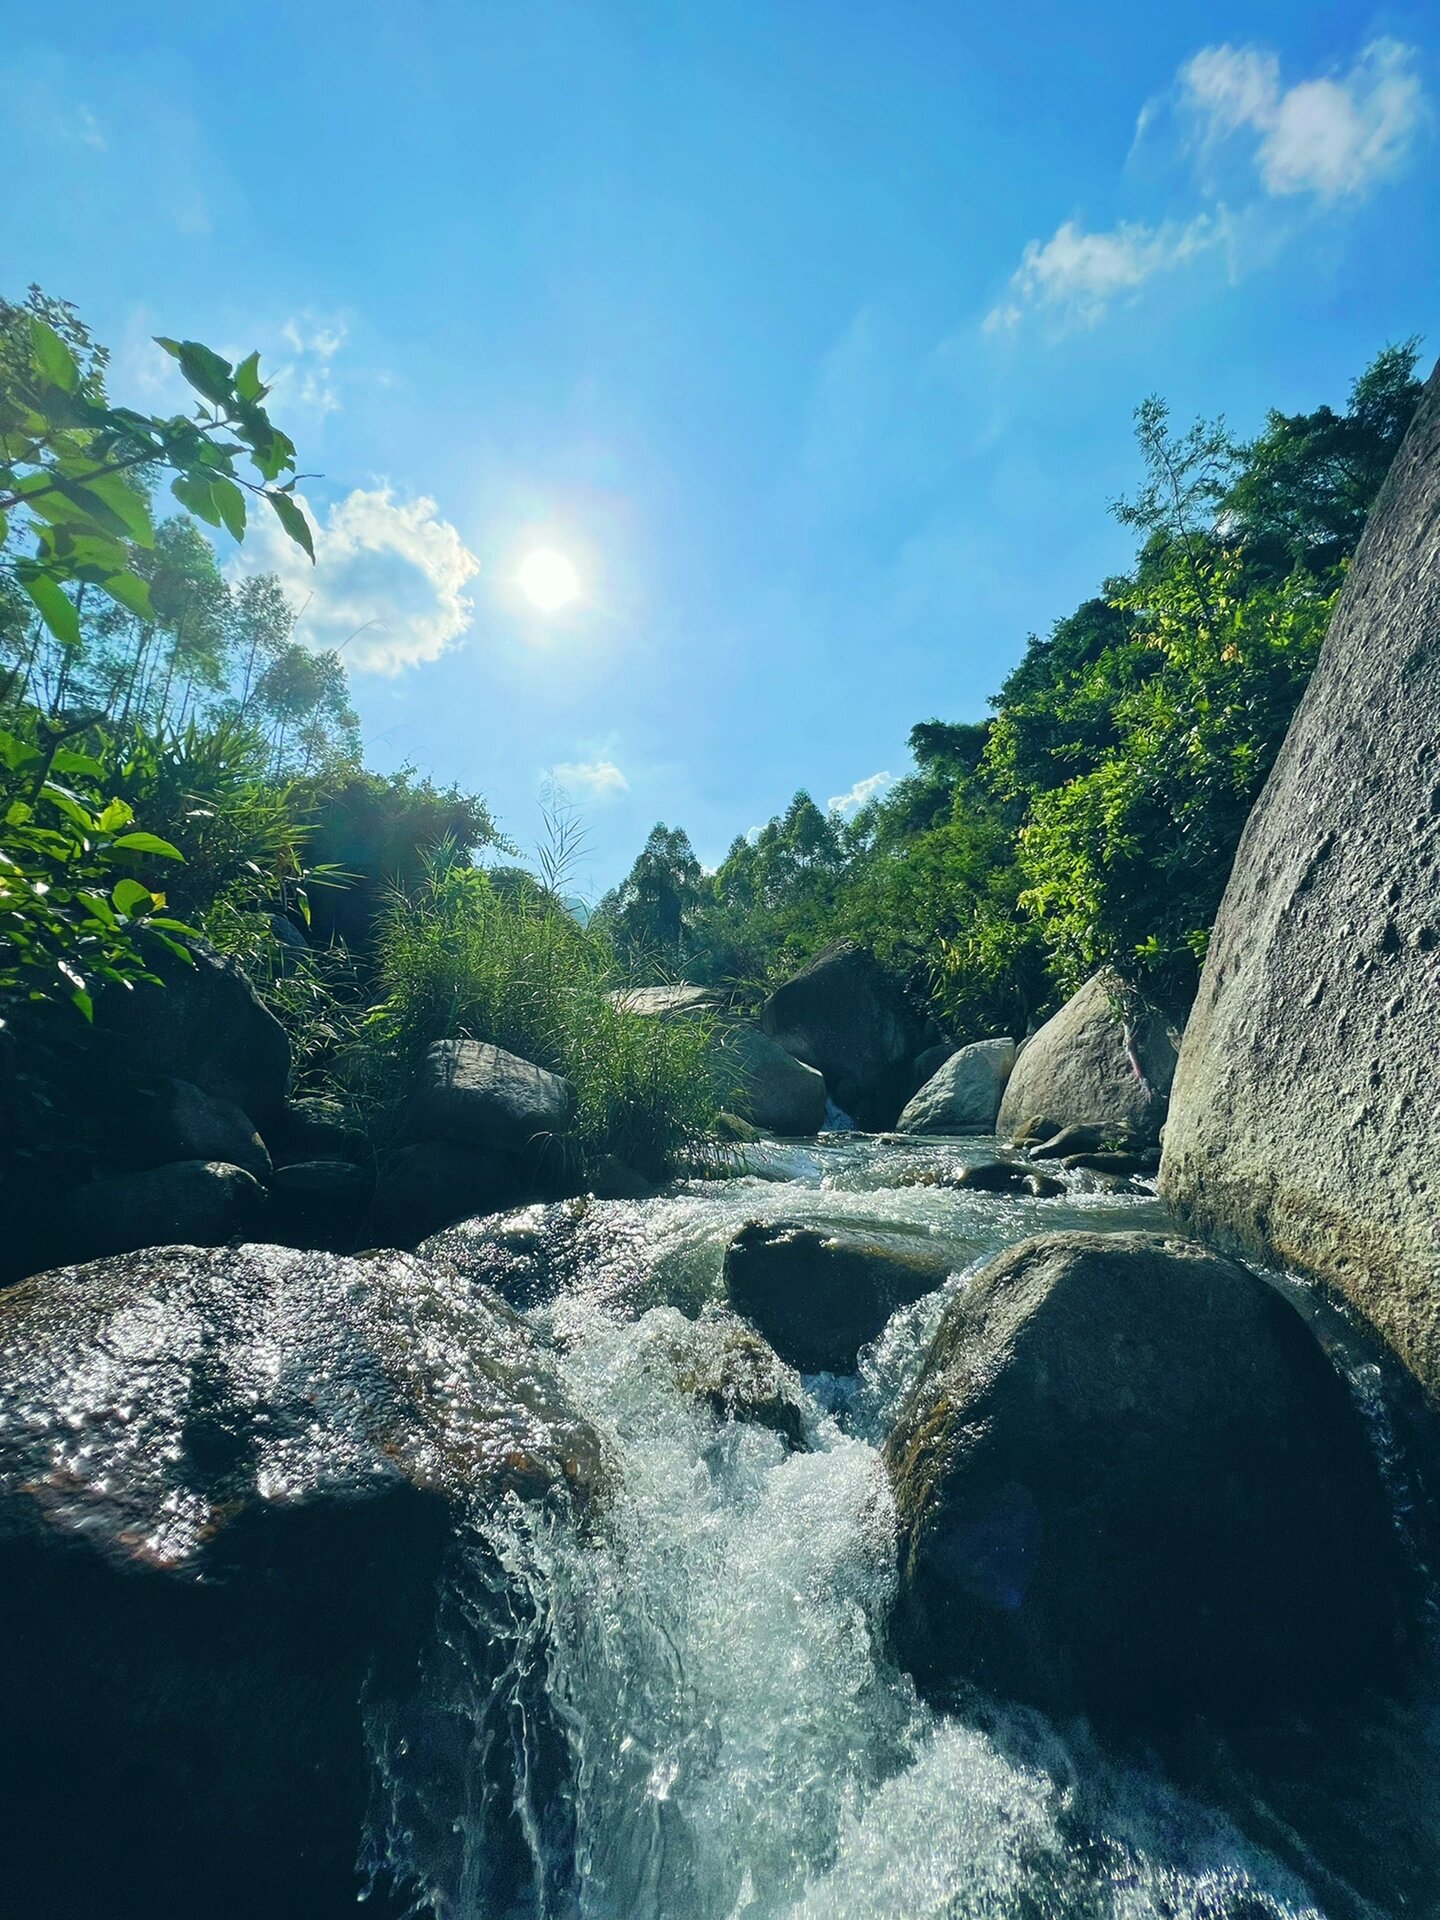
<point>928,1064</point>
<point>725,1366</point>
<point>231,1484</point>
<point>433,1183</point>
<point>1307,1104</point>
<point>320,1203</point>
<point>766,1085</point>
<point>819,1294</point>
<point>311,1129</point>
<point>846,1017</point>
<point>964,1095</point>
<point>1105,1059</point>
<point>758,1080</point>
<point>176,1120</point>
<point>1129,1482</point>
<point>204,1023</point>
<point>474,1095</point>
<point>1008,1176</point>
<point>197,1203</point>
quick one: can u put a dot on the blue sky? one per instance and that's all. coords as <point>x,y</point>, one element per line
<point>809,334</point>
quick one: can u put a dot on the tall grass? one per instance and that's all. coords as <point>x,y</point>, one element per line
<point>465,955</point>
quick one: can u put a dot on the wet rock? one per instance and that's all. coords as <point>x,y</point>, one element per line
<point>612,1179</point>
<point>176,1120</point>
<point>526,1256</point>
<point>1307,1103</point>
<point>1094,1137</point>
<point>729,1126</point>
<point>320,1203</point>
<point>727,1367</point>
<point>204,1024</point>
<point>819,1295</point>
<point>198,1203</point>
<point>471,1094</point>
<point>231,1483</point>
<point>964,1095</point>
<point>1008,1176</point>
<point>846,1017</point>
<point>1105,1058</point>
<point>1034,1129</point>
<point>1125,1165</point>
<point>434,1183</point>
<point>1129,1482</point>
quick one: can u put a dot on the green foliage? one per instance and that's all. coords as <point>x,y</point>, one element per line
<point>1094,819</point>
<point>459,955</point>
<point>74,470</point>
<point>74,909</point>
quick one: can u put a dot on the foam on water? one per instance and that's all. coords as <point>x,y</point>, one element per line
<point>736,1741</point>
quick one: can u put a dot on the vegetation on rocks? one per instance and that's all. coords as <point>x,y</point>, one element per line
<point>1092,821</point>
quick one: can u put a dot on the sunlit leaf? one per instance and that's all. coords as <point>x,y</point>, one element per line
<point>293,521</point>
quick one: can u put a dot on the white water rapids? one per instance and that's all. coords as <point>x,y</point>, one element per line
<point>697,1700</point>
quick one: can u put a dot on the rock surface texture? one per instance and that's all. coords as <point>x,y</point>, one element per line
<point>1307,1104</point>
<point>475,1095</point>
<point>1100,1059</point>
<point>819,1296</point>
<point>198,1203</point>
<point>205,1024</point>
<point>229,1483</point>
<point>965,1095</point>
<point>846,1017</point>
<point>1129,1482</point>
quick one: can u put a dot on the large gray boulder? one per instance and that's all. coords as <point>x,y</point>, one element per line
<point>820,1294</point>
<point>176,1120</point>
<point>1307,1105</point>
<point>474,1095</point>
<point>231,1484</point>
<point>758,1079</point>
<point>846,1017</point>
<point>1129,1482</point>
<point>965,1095</point>
<point>204,1023</point>
<point>1104,1058</point>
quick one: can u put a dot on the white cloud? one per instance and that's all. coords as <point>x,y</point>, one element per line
<point>1335,137</point>
<point>306,379</point>
<point>388,586</point>
<point>860,795</point>
<point>1075,275</point>
<point>593,780</point>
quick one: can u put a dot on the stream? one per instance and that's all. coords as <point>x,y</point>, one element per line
<point>698,1704</point>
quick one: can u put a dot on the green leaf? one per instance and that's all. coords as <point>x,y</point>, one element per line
<point>130,591</point>
<point>206,371</point>
<point>118,813</point>
<point>148,843</point>
<point>128,895</point>
<point>293,521</point>
<point>230,504</point>
<point>247,380</point>
<point>128,505</point>
<point>174,926</point>
<point>67,760</point>
<point>68,804</point>
<point>51,355</point>
<point>53,604</point>
<point>197,492</point>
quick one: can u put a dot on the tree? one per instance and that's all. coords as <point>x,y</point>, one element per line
<point>74,470</point>
<point>651,914</point>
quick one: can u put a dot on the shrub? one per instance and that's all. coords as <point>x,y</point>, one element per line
<point>462,956</point>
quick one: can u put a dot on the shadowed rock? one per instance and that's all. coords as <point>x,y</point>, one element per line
<point>1129,1482</point>
<point>820,1295</point>
<point>846,1017</point>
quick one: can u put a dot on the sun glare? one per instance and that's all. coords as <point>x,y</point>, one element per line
<point>547,580</point>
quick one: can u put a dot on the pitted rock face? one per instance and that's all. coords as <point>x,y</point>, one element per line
<point>151,1399</point>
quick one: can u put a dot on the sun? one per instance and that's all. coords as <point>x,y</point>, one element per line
<point>547,580</point>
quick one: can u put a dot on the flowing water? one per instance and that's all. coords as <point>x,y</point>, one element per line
<point>695,1717</point>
